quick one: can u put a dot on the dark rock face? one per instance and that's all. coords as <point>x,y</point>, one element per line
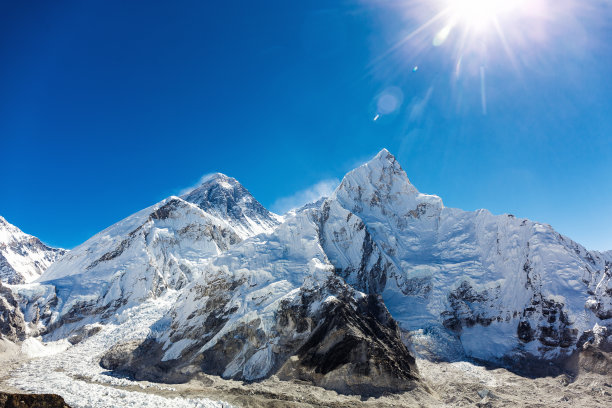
<point>524,332</point>
<point>554,328</point>
<point>12,323</point>
<point>355,349</point>
<point>467,308</point>
<point>8,400</point>
<point>142,361</point>
<point>593,353</point>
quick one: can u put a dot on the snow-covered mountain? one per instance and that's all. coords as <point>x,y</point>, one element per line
<point>23,257</point>
<point>225,198</point>
<point>458,283</point>
<point>501,285</point>
<point>273,305</point>
<point>340,293</point>
<point>159,248</point>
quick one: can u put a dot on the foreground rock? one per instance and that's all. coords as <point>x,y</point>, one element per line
<point>594,354</point>
<point>8,400</point>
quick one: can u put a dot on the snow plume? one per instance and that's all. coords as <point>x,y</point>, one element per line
<point>321,189</point>
<point>192,187</point>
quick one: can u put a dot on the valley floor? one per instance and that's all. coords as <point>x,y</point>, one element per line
<point>74,373</point>
<point>450,385</point>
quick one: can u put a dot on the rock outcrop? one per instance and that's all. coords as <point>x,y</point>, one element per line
<point>12,322</point>
<point>8,400</point>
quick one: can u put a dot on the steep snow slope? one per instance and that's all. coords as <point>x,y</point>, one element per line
<point>158,248</point>
<point>225,198</point>
<point>23,258</point>
<point>500,284</point>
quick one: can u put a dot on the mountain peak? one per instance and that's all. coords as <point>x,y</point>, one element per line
<point>220,179</point>
<point>381,185</point>
<point>225,198</point>
<point>382,170</point>
<point>384,154</point>
<point>385,160</point>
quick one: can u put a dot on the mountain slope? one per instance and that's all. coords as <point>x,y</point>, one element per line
<point>273,305</point>
<point>23,257</point>
<point>159,248</point>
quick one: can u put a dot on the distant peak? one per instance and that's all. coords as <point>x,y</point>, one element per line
<point>225,198</point>
<point>212,181</point>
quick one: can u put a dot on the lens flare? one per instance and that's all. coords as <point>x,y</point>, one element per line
<point>477,41</point>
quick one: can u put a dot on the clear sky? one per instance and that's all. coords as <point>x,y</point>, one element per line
<point>107,107</point>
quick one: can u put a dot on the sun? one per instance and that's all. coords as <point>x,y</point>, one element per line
<point>479,14</point>
<point>475,13</point>
<point>476,17</point>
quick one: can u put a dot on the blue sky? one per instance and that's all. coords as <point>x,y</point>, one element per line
<point>107,107</point>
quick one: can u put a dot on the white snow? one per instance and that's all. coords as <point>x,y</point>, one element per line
<point>139,257</point>
<point>33,347</point>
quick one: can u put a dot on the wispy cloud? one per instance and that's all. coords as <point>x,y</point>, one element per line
<point>321,189</point>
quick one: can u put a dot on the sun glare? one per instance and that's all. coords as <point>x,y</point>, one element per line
<point>477,14</point>
<point>478,36</point>
<point>477,17</point>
